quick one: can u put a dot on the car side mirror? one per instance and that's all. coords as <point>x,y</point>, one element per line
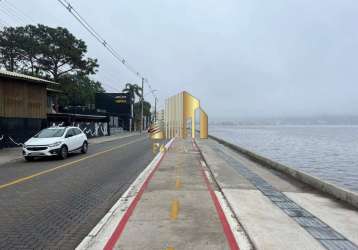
<point>69,135</point>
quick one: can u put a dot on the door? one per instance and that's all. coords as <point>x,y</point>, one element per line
<point>79,137</point>
<point>70,139</point>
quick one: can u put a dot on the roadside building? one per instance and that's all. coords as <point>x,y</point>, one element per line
<point>29,104</point>
<point>119,109</point>
<point>23,107</point>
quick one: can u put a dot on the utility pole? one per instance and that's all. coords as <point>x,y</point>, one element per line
<point>132,115</point>
<point>142,100</point>
<point>155,109</point>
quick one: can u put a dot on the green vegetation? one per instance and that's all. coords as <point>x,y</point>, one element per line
<point>135,91</point>
<point>79,90</point>
<point>54,54</point>
<point>138,108</point>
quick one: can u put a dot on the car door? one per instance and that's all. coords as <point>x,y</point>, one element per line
<point>70,139</point>
<point>79,138</point>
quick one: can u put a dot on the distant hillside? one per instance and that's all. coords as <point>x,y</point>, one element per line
<point>316,120</point>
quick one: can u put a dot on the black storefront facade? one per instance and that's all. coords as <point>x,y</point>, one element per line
<point>118,107</point>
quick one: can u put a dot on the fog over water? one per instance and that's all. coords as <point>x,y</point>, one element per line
<point>242,58</point>
<point>328,152</point>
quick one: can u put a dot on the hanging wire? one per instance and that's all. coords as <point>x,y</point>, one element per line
<point>14,19</point>
<point>26,18</point>
<point>101,40</point>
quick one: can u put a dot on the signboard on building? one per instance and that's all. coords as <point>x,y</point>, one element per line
<point>114,103</point>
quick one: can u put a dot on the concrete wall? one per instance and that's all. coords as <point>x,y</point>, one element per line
<point>323,186</point>
<point>14,131</point>
<point>91,129</point>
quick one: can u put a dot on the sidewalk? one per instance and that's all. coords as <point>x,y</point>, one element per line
<point>172,205</point>
<point>279,212</point>
<point>13,154</point>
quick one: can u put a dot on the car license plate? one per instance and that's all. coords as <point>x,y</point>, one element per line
<point>36,154</point>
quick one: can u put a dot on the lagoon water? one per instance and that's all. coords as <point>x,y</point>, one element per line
<point>328,152</point>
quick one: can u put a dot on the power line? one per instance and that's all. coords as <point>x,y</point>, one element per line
<point>27,18</point>
<point>12,11</point>
<point>10,14</point>
<point>108,79</point>
<point>101,40</point>
<point>4,23</point>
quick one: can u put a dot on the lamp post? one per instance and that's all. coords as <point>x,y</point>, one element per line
<point>142,100</point>
<point>155,109</point>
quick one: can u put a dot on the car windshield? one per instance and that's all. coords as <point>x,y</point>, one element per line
<point>50,132</point>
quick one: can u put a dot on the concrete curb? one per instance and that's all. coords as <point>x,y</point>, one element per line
<point>323,186</point>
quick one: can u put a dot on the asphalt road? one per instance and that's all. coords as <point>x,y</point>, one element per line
<point>54,204</point>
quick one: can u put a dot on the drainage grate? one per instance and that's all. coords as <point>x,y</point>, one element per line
<point>326,235</point>
<point>297,213</point>
<point>287,205</point>
<point>309,222</point>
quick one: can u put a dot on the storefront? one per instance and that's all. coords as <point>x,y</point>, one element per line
<point>118,107</point>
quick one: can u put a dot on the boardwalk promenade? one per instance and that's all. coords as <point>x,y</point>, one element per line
<point>203,195</point>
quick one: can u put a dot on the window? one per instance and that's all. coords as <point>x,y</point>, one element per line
<point>50,132</point>
<point>70,133</point>
<point>78,131</point>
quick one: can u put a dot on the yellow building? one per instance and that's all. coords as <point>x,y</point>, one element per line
<point>179,116</point>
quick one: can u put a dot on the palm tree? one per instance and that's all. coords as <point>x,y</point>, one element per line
<point>133,90</point>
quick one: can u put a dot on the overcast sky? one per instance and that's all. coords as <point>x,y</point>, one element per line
<point>241,58</point>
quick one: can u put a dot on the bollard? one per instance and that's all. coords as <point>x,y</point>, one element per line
<point>156,135</point>
<point>156,148</point>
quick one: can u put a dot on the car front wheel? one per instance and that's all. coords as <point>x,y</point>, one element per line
<point>29,158</point>
<point>63,152</point>
<point>84,148</point>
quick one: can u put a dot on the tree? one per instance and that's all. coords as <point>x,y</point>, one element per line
<point>138,112</point>
<point>10,51</point>
<point>44,51</point>
<point>133,90</point>
<point>52,53</point>
<point>79,90</point>
<point>63,53</point>
<point>146,109</point>
<point>30,49</point>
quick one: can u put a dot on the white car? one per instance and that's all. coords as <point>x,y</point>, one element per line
<point>55,141</point>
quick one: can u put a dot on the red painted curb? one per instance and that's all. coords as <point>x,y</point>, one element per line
<point>224,222</point>
<point>122,223</point>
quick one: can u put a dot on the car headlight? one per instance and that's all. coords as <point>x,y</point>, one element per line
<point>55,144</point>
